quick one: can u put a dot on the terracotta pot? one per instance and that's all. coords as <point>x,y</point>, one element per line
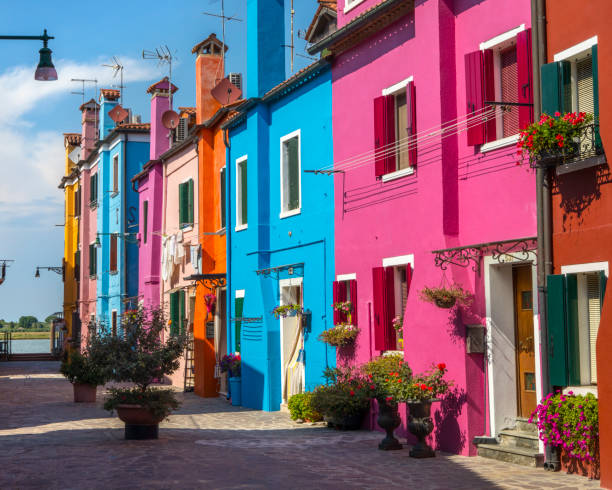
<point>84,393</point>
<point>571,465</point>
<point>421,425</point>
<point>140,423</point>
<point>388,419</point>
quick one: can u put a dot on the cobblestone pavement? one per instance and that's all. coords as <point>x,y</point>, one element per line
<point>46,441</point>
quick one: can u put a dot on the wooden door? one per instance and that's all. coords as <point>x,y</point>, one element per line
<point>525,355</point>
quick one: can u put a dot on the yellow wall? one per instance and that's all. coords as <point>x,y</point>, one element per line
<point>71,237</point>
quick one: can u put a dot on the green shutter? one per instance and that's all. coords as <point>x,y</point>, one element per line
<point>565,74</point>
<point>190,202</point>
<point>602,286</point>
<point>238,307</point>
<point>551,88</point>
<point>174,313</point>
<point>181,296</point>
<point>182,200</point>
<point>573,334</point>
<point>243,192</point>
<point>557,338</point>
<point>222,203</point>
<point>595,81</point>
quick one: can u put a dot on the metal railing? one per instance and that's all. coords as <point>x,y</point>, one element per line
<point>584,146</point>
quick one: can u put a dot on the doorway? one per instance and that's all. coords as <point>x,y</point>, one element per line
<point>525,344</point>
<point>292,340</point>
<point>220,339</point>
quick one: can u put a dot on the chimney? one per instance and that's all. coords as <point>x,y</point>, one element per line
<point>160,103</point>
<point>89,127</point>
<point>265,37</point>
<point>209,72</point>
<point>108,100</point>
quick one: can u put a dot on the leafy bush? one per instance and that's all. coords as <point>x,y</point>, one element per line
<point>300,407</point>
<point>427,386</point>
<point>340,335</point>
<point>570,422</point>
<point>386,375</point>
<point>160,402</point>
<point>80,368</point>
<point>348,393</point>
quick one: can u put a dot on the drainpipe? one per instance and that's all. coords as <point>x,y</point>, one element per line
<point>123,225</point>
<point>228,252</point>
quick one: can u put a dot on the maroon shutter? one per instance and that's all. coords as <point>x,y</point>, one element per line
<point>336,291</point>
<point>380,111</point>
<point>489,92</point>
<point>474,95</point>
<point>378,292</point>
<point>390,340</point>
<point>412,126</point>
<point>525,76</point>
<point>390,165</point>
<point>353,292</point>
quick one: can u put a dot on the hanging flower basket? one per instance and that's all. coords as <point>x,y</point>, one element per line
<point>446,297</point>
<point>340,335</point>
<point>283,311</point>
<point>210,300</point>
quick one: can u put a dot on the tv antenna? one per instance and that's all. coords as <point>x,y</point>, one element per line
<point>292,45</point>
<point>164,56</point>
<point>224,19</point>
<point>83,82</point>
<point>118,68</point>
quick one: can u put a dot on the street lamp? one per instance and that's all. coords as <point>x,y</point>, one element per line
<point>45,71</point>
<point>57,270</point>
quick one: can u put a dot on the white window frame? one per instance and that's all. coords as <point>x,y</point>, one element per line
<point>398,260</point>
<point>497,44</point>
<point>240,226</point>
<point>351,4</point>
<point>346,277</point>
<point>298,210</point>
<point>239,293</point>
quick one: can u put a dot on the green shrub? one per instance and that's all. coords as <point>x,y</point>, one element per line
<point>300,407</point>
<point>79,368</point>
<point>348,394</point>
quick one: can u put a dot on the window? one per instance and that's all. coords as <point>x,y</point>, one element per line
<point>241,193</point>
<point>145,220</point>
<point>350,4</point>
<point>186,204</point>
<point>345,291</point>
<point>290,174</point>
<point>77,266</point>
<point>77,203</point>
<point>93,260</point>
<point>113,253</point>
<point>395,130</point>
<point>391,287</point>
<point>177,312</point>
<point>222,200</point>
<point>499,72</point>
<point>115,174</point>
<point>238,311</point>
<point>574,309</point>
<point>93,189</point>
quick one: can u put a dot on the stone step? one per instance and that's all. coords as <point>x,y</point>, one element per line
<point>516,438</point>
<point>32,357</point>
<point>516,455</point>
<point>522,424</point>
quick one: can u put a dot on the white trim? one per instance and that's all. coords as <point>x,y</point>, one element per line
<point>398,174</point>
<point>398,260</point>
<point>398,86</point>
<point>506,36</point>
<point>240,226</point>
<point>119,140</point>
<point>500,143</point>
<point>239,293</point>
<point>298,210</point>
<point>184,181</point>
<point>187,228</point>
<point>292,281</point>
<point>576,49</point>
<point>590,267</point>
<point>352,6</point>
<point>581,390</point>
<point>347,277</point>
<point>393,353</point>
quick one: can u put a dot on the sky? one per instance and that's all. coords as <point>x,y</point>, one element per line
<point>34,115</point>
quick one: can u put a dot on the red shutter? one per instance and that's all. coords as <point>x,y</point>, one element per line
<point>390,339</point>
<point>378,292</point>
<point>380,111</point>
<point>525,77</point>
<point>412,127</point>
<point>489,92</point>
<point>474,95</point>
<point>353,292</point>
<point>339,295</point>
<point>390,165</point>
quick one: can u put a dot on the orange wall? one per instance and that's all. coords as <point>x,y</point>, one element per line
<point>582,201</point>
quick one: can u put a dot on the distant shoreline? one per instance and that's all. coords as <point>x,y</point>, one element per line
<point>29,335</point>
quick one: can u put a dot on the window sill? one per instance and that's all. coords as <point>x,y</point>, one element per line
<point>501,143</point>
<point>287,214</point>
<point>115,193</point>
<point>113,273</point>
<point>221,231</point>
<point>93,205</point>
<point>185,228</point>
<point>93,276</point>
<point>393,353</point>
<point>241,227</point>
<point>581,390</point>
<point>398,174</point>
<point>352,6</point>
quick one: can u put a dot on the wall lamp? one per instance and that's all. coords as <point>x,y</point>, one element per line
<point>57,270</point>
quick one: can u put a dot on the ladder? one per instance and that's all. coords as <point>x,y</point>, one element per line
<point>188,383</point>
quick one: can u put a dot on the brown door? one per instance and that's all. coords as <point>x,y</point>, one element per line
<point>525,356</point>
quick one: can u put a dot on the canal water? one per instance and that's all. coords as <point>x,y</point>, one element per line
<point>28,346</point>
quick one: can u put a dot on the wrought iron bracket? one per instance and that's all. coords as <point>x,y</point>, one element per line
<point>518,250</point>
<point>290,268</point>
<point>209,281</point>
<point>461,256</point>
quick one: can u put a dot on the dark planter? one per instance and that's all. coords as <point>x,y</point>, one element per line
<point>420,425</point>
<point>140,423</point>
<point>388,419</point>
<point>84,393</point>
<point>346,422</point>
<point>445,302</point>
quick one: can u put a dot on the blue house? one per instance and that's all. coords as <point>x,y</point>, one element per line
<point>122,151</point>
<point>280,218</point>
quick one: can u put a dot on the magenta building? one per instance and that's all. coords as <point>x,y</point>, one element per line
<point>429,192</point>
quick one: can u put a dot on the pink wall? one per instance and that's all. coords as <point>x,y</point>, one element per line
<point>456,197</point>
<point>87,235</point>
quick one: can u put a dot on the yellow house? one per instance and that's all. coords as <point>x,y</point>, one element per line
<point>71,259</point>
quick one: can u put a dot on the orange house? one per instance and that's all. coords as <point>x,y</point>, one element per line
<point>210,322</point>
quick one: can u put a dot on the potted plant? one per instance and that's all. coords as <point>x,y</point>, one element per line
<point>570,423</point>
<point>345,307</point>
<point>388,375</point>
<point>339,335</point>
<point>557,136</point>
<point>210,300</point>
<point>419,394</point>
<point>301,409</point>
<point>84,374</point>
<point>344,401</point>
<point>398,326</point>
<point>231,364</point>
<point>446,297</point>
<point>140,356</point>
<point>282,311</point>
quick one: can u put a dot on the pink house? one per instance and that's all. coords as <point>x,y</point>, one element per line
<point>428,192</point>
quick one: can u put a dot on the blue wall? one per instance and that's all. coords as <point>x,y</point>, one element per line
<point>269,241</point>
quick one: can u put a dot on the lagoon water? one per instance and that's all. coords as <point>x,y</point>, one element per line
<point>27,346</point>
